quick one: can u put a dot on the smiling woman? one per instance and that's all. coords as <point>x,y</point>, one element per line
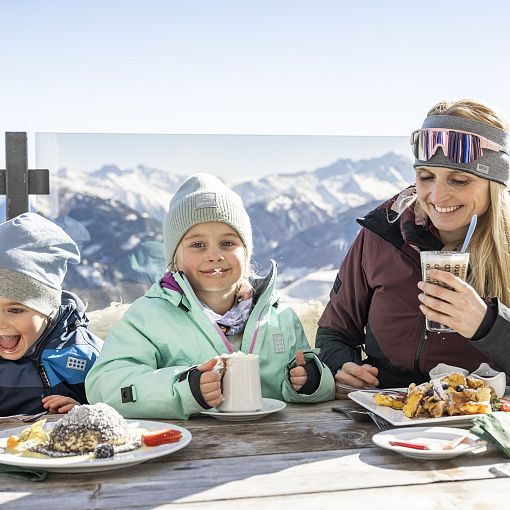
<point>462,168</point>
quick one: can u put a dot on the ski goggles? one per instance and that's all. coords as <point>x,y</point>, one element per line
<point>458,146</point>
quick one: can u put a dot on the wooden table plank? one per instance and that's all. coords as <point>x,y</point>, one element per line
<point>304,456</point>
<point>268,475</point>
<point>485,495</point>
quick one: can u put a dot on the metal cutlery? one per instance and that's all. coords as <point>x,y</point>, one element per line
<point>366,389</point>
<point>362,415</point>
<point>25,418</point>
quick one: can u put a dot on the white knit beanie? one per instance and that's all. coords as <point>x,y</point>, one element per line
<point>34,253</point>
<point>203,198</point>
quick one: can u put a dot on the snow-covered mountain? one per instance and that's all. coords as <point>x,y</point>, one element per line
<point>337,187</point>
<point>321,247</point>
<point>305,220</point>
<point>143,189</point>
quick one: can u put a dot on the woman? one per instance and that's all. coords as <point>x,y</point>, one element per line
<point>378,303</point>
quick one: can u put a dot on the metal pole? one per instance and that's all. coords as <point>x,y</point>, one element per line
<point>16,178</point>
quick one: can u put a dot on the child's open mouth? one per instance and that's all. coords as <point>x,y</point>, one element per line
<point>9,343</point>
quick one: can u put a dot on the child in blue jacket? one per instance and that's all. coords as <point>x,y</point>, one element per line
<point>45,347</point>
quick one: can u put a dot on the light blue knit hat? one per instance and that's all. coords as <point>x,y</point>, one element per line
<point>34,253</point>
<point>200,199</point>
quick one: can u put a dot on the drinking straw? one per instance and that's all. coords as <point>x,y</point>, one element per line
<point>469,234</point>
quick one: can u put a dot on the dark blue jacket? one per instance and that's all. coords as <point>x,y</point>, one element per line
<point>56,365</point>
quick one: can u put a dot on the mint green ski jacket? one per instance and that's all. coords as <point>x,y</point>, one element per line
<point>165,333</point>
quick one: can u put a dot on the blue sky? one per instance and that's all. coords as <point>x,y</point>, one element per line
<point>322,67</point>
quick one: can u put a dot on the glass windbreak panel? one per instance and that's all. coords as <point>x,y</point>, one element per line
<point>110,192</point>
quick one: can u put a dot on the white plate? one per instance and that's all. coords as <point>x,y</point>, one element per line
<point>269,406</point>
<point>399,419</point>
<point>434,437</point>
<point>83,463</point>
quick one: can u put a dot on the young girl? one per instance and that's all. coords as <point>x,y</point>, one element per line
<point>45,347</point>
<point>205,306</point>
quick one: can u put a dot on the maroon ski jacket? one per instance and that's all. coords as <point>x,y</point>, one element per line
<point>374,307</point>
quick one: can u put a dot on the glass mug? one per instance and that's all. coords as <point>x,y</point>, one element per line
<point>452,261</point>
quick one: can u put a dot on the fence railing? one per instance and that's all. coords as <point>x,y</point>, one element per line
<point>17,182</point>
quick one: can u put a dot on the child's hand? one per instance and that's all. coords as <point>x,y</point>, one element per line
<point>57,404</point>
<point>210,383</point>
<point>298,375</point>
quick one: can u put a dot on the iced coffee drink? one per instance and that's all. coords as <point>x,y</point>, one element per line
<point>451,261</point>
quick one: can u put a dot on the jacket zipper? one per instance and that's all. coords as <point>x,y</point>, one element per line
<point>37,355</point>
<point>43,375</point>
<point>419,350</point>
<point>424,336</point>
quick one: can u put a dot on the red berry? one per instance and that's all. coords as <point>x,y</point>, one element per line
<point>162,436</point>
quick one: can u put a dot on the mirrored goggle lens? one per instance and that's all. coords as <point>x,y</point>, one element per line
<point>457,147</point>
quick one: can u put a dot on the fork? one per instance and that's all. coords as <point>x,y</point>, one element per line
<point>25,418</point>
<point>367,389</point>
<point>381,423</point>
<point>31,417</point>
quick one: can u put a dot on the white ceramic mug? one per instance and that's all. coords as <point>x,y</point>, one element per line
<point>241,383</point>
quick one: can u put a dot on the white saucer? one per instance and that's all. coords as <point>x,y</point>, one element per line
<point>434,437</point>
<point>269,406</point>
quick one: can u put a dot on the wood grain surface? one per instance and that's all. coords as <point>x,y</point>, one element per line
<point>304,457</point>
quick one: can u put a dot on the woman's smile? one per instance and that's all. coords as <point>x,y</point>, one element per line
<point>450,198</point>
<point>446,209</point>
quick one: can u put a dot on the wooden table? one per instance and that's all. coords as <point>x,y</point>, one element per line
<point>304,457</point>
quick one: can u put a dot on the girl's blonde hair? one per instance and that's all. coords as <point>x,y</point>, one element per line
<point>490,245</point>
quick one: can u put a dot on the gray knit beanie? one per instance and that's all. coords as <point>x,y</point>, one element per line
<point>33,261</point>
<point>203,198</point>
<point>494,166</point>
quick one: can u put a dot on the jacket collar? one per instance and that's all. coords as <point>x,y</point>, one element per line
<point>412,228</point>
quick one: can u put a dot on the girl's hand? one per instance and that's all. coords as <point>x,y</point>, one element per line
<point>359,376</point>
<point>298,375</point>
<point>210,383</point>
<point>461,309</point>
<point>58,404</point>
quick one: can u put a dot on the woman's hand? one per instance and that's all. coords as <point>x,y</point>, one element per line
<point>58,404</point>
<point>461,309</point>
<point>210,386</point>
<point>298,375</point>
<point>359,376</point>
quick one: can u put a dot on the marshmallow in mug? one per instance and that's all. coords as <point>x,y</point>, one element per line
<point>240,382</point>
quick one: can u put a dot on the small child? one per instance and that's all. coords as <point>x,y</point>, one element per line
<point>45,347</point>
<point>205,306</point>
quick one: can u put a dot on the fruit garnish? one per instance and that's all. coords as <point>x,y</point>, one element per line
<point>162,436</point>
<point>12,442</point>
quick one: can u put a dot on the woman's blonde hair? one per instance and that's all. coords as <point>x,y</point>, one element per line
<point>490,245</point>
<point>470,109</point>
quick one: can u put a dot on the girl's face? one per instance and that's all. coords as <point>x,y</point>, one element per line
<point>20,328</point>
<point>450,198</point>
<point>213,258</point>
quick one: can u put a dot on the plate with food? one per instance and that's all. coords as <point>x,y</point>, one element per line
<point>89,438</point>
<point>453,399</point>
<point>432,443</point>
